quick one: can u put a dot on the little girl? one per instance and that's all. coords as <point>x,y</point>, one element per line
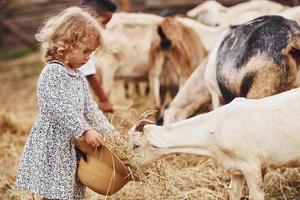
<point>49,163</point>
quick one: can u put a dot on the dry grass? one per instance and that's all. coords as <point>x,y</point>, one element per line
<point>185,176</point>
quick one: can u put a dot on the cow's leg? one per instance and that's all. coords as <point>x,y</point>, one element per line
<point>236,187</point>
<point>254,180</point>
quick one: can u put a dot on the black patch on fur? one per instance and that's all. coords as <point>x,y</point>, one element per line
<point>246,84</point>
<point>165,43</point>
<point>227,94</point>
<point>267,35</point>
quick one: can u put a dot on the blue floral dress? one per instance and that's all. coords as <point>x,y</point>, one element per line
<point>49,163</point>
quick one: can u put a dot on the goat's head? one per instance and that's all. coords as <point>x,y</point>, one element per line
<point>139,146</point>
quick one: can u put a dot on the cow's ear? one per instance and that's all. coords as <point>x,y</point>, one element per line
<point>142,123</point>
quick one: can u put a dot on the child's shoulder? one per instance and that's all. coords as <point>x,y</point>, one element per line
<point>54,68</point>
<point>80,73</point>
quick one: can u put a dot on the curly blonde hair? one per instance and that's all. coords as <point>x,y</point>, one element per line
<point>68,30</point>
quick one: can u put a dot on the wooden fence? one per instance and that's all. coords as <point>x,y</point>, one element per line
<point>19,22</point>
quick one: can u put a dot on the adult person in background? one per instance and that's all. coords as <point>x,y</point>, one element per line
<point>102,10</point>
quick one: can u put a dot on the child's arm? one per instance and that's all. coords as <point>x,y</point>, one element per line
<point>57,101</point>
<point>94,116</point>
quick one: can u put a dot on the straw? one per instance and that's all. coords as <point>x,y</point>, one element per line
<point>184,177</point>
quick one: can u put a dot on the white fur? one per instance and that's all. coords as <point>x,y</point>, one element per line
<point>213,13</point>
<point>244,137</point>
<point>129,36</point>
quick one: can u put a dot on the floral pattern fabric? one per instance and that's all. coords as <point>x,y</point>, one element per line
<point>49,163</point>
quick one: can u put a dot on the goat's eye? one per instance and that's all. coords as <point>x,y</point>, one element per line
<point>135,146</point>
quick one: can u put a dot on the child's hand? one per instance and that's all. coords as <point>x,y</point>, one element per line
<point>92,138</point>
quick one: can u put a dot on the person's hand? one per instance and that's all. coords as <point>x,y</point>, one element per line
<point>92,138</point>
<point>106,107</point>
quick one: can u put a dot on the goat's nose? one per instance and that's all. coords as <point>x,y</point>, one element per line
<point>135,146</point>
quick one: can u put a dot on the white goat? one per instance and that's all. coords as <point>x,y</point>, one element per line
<point>129,36</point>
<point>213,13</point>
<point>245,137</point>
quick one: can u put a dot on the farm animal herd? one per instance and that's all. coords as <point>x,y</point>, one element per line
<point>240,61</point>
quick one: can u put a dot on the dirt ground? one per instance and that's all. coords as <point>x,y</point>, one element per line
<point>187,177</point>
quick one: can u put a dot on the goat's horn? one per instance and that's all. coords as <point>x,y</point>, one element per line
<point>147,114</point>
<point>142,123</point>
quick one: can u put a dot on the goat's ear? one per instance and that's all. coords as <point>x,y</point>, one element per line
<point>142,123</point>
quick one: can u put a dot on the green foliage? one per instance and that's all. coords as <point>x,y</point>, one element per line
<point>14,53</point>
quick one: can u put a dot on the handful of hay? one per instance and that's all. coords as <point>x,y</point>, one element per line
<point>150,176</point>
